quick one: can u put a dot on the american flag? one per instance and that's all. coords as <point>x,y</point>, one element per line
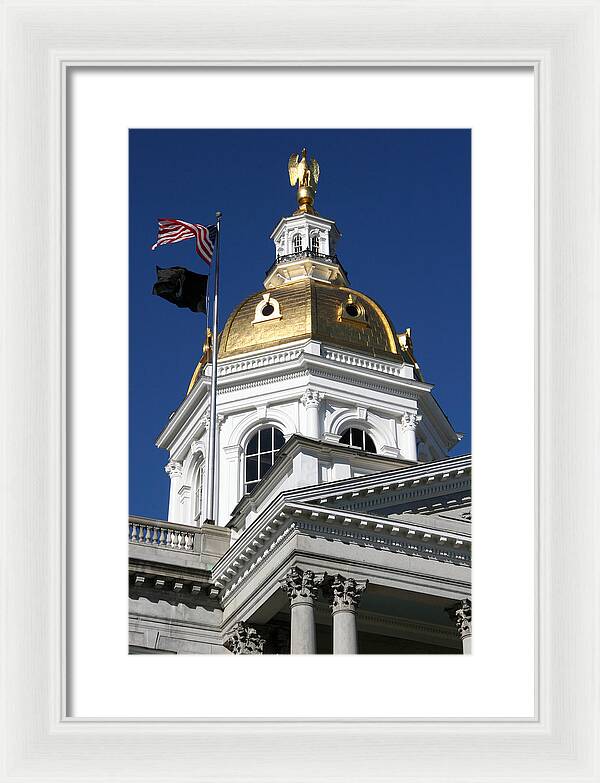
<point>170,231</point>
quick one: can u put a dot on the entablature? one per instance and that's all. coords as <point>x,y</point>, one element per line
<point>284,518</point>
<point>283,365</point>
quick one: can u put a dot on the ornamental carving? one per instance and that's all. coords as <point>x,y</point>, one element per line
<point>311,398</point>
<point>196,447</point>
<point>461,614</point>
<point>345,593</point>
<point>174,469</point>
<point>409,421</point>
<point>301,585</point>
<point>205,421</point>
<point>244,640</point>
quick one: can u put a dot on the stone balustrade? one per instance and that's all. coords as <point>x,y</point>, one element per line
<point>161,534</point>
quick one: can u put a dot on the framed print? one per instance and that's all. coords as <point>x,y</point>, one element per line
<point>180,616</point>
<point>423,131</point>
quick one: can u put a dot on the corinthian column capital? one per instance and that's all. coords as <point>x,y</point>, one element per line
<point>244,640</point>
<point>461,613</point>
<point>205,421</point>
<point>345,593</point>
<point>409,421</point>
<point>174,469</point>
<point>301,586</point>
<point>311,398</point>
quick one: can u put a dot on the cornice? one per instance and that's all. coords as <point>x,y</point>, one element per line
<point>414,494</point>
<point>436,419</point>
<point>303,218</point>
<point>183,413</point>
<point>270,530</point>
<point>188,583</point>
<point>432,474</point>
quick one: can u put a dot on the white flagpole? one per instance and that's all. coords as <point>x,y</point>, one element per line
<point>212,433</point>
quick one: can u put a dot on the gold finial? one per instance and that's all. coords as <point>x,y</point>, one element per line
<point>205,358</point>
<point>207,342</point>
<point>306,174</point>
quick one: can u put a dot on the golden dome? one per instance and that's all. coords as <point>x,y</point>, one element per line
<point>309,309</point>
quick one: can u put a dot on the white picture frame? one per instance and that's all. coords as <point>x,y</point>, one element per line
<point>41,41</point>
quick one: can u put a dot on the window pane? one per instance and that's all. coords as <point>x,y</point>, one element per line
<point>278,439</point>
<point>369,445</point>
<point>345,437</point>
<point>253,445</point>
<point>266,460</point>
<point>251,468</point>
<point>356,437</point>
<point>266,439</point>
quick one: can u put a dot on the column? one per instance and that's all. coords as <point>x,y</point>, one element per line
<point>244,640</point>
<point>408,437</point>
<point>302,587</point>
<point>311,400</point>
<point>461,613</point>
<point>345,594</point>
<point>175,471</point>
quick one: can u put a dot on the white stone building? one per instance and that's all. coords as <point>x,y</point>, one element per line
<point>341,523</point>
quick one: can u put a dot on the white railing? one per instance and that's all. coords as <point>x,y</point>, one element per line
<point>368,364</point>
<point>151,533</point>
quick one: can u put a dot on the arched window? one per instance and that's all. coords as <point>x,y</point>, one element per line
<point>353,436</point>
<point>297,243</point>
<point>260,454</point>
<point>314,243</point>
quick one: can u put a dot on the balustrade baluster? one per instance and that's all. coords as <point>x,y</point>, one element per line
<point>156,535</point>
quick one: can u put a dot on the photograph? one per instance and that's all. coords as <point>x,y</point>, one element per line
<point>300,391</point>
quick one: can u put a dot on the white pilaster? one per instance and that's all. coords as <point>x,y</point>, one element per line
<point>184,513</point>
<point>408,435</point>
<point>232,473</point>
<point>175,472</point>
<point>206,423</point>
<point>311,400</point>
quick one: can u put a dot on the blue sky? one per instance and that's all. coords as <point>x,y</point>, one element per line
<point>402,200</point>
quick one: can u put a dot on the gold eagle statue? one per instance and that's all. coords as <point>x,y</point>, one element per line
<point>305,172</point>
